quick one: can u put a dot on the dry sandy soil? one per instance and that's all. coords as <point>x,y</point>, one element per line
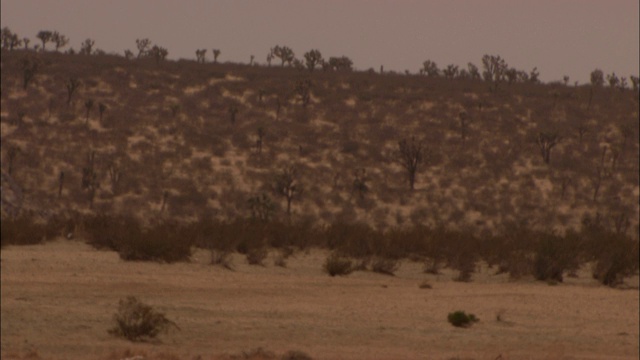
<point>58,300</point>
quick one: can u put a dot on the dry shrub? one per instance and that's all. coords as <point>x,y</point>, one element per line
<point>136,321</point>
<point>295,355</point>
<point>338,265</point>
<point>461,319</point>
<point>257,255</point>
<point>385,266</point>
<point>164,242</point>
<point>22,230</point>
<point>425,284</point>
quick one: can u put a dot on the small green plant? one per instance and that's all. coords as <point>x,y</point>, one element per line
<point>461,319</point>
<point>136,321</point>
<point>338,265</point>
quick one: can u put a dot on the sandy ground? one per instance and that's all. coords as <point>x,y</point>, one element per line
<point>58,300</point>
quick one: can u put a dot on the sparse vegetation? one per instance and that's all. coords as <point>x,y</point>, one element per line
<point>461,319</point>
<point>137,321</point>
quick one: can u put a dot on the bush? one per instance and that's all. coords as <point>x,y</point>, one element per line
<point>551,258</point>
<point>22,230</point>
<point>136,321</point>
<point>295,355</point>
<point>256,256</point>
<point>164,242</point>
<point>337,265</point>
<point>461,319</point>
<point>385,266</point>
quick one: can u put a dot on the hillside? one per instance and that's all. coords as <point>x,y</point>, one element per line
<point>185,140</point>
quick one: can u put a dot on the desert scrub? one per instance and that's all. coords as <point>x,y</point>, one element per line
<point>385,266</point>
<point>461,319</point>
<point>337,265</point>
<point>136,321</point>
<point>22,230</point>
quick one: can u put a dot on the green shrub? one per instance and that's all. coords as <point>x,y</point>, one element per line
<point>136,321</point>
<point>337,265</point>
<point>461,319</point>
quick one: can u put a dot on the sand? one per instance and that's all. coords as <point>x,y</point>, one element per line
<point>58,300</point>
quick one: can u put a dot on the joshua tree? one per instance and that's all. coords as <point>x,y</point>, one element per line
<point>9,39</point>
<point>88,105</point>
<point>59,39</point>
<point>128,54</point>
<point>159,53</point>
<point>216,53</point>
<point>286,184</point>
<point>284,53</point>
<point>30,66</point>
<point>360,182</point>
<point>233,110</point>
<point>261,132</point>
<point>143,46</point>
<point>634,82</point>
<point>474,73</point>
<point>313,58</point>
<point>114,175</point>
<point>251,58</point>
<point>303,88</point>
<point>87,47</point>
<point>410,157</point>
<point>60,183</point>
<point>430,68</point>
<point>72,85</point>
<point>464,118</point>
<point>597,78</point>
<point>262,208</point>
<point>200,55</point>
<point>613,80</point>
<point>534,76</point>
<point>546,141</point>
<point>270,57</point>
<point>565,79</point>
<point>12,152</point>
<point>44,36</point>
<point>101,109</point>
<point>90,178</point>
<point>340,63</point>
<point>494,70</point>
<point>26,42</point>
<point>511,75</point>
<point>451,71</point>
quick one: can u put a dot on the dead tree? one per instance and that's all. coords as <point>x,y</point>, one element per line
<point>410,157</point>
<point>546,141</point>
<point>286,184</point>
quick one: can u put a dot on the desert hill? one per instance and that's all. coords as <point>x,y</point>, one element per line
<point>181,139</point>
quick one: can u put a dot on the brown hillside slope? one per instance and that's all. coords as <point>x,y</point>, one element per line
<point>168,129</point>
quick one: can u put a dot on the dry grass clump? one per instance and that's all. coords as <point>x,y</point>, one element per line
<point>136,321</point>
<point>336,264</point>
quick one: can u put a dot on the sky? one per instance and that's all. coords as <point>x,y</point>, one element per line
<point>559,37</point>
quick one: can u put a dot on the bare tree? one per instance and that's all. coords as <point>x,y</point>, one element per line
<point>312,59</point>
<point>546,141</point>
<point>286,184</point>
<point>411,156</point>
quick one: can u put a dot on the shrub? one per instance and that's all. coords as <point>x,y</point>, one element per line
<point>164,242</point>
<point>256,256</point>
<point>551,258</point>
<point>385,266</point>
<point>111,232</point>
<point>222,258</point>
<point>461,319</point>
<point>22,230</point>
<point>337,265</point>
<point>136,321</point>
<point>425,284</point>
<point>295,355</point>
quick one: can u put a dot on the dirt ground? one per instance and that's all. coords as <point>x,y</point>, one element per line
<point>58,300</point>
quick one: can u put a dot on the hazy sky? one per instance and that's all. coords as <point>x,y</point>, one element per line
<point>560,37</point>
